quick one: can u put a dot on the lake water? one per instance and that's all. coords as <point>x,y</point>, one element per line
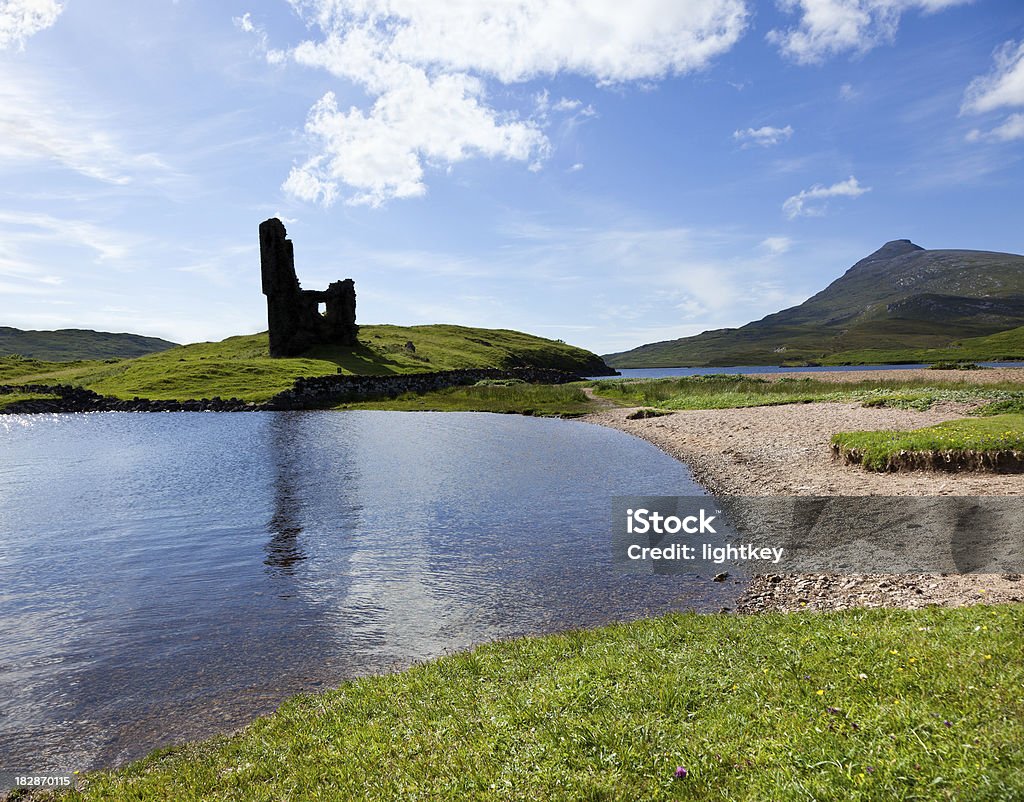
<point>664,373</point>
<point>167,576</point>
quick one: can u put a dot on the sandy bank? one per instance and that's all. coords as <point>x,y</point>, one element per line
<point>784,450</point>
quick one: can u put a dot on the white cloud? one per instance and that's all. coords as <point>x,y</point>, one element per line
<point>36,125</point>
<point>848,92</point>
<point>426,64</point>
<point>829,27</point>
<point>1011,129</point>
<point>1001,88</point>
<point>776,245</point>
<point>20,19</point>
<point>765,136</point>
<point>245,24</point>
<point>21,227</point>
<point>515,41</point>
<point>381,155</point>
<point>567,104</point>
<point>808,202</point>
<point>576,167</point>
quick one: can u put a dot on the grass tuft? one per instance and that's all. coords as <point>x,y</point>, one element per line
<point>988,443</point>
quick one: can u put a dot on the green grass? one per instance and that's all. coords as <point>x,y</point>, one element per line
<point>1006,345</point>
<point>565,400</point>
<point>241,367</point>
<point>982,441</point>
<point>721,391</point>
<point>854,705</point>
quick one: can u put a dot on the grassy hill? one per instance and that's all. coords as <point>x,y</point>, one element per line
<point>66,345</point>
<point>1006,345</point>
<point>901,297</point>
<point>241,367</point>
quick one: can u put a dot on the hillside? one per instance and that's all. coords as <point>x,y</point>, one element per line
<point>67,345</point>
<point>1003,346</point>
<point>241,367</point>
<point>900,297</point>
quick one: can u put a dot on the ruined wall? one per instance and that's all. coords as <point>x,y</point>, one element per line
<point>293,315</point>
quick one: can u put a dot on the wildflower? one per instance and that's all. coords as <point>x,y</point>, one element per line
<point>871,769</point>
<point>821,692</point>
<point>681,773</point>
<point>988,657</point>
<point>948,723</point>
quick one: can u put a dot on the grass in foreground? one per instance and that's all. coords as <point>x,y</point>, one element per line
<point>241,367</point>
<point>725,391</point>
<point>994,442</point>
<point>565,400</point>
<point>862,705</point>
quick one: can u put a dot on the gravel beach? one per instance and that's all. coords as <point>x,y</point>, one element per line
<point>784,450</point>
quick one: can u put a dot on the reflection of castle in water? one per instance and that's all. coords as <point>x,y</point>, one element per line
<point>284,549</point>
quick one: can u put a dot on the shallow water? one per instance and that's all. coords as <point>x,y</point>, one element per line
<point>166,576</point>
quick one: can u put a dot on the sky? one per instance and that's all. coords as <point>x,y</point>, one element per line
<point>605,173</point>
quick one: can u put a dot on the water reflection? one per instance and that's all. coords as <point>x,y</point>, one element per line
<point>283,549</point>
<point>174,575</point>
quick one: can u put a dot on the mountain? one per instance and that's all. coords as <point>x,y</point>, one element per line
<point>68,345</point>
<point>900,297</point>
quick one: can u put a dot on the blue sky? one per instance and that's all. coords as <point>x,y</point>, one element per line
<point>605,173</point>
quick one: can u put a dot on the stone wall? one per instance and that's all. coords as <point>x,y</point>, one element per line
<point>307,393</point>
<point>320,391</point>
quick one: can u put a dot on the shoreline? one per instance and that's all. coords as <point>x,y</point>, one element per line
<point>784,451</point>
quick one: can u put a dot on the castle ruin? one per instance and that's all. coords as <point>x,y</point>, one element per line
<point>293,314</point>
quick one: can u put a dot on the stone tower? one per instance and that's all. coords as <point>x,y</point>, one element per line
<point>293,314</point>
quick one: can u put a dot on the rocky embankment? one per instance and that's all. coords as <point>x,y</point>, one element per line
<point>78,399</point>
<point>307,393</point>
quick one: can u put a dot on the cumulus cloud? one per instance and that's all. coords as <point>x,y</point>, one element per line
<point>812,202</point>
<point>765,136</point>
<point>20,19</point>
<point>830,27</point>
<point>427,65</point>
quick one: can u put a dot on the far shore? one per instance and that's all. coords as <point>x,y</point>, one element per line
<point>784,450</point>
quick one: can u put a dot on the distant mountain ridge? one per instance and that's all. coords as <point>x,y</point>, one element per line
<point>902,296</point>
<point>68,345</point>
